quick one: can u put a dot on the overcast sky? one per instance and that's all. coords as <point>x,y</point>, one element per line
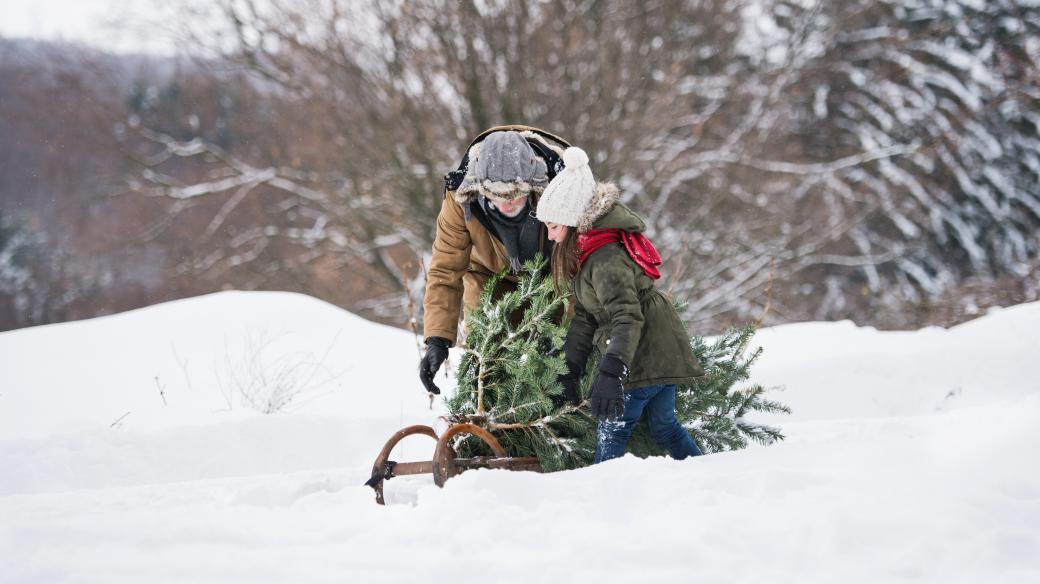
<point>89,21</point>
<point>71,19</point>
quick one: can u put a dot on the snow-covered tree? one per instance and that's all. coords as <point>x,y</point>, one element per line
<point>888,154</point>
<point>22,290</point>
<point>38,282</point>
<point>834,159</point>
<point>954,82</point>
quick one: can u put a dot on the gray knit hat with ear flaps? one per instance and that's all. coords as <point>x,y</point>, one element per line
<point>506,167</point>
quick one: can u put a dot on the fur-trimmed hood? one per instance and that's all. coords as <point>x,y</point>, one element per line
<point>464,187</point>
<point>600,207</point>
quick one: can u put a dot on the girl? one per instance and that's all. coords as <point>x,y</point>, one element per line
<point>602,254</point>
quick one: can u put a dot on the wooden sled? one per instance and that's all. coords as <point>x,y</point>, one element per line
<point>445,464</point>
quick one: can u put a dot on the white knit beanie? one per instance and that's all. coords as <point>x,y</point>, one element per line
<point>570,192</point>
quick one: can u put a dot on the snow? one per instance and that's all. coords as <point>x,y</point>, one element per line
<point>908,459</point>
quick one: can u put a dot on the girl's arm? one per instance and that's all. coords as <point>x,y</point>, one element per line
<point>615,287</point>
<point>578,345</point>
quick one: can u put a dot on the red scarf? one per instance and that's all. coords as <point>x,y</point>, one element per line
<point>637,245</point>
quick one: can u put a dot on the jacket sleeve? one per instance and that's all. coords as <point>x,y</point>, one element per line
<point>578,345</point>
<point>614,283</point>
<point>442,301</point>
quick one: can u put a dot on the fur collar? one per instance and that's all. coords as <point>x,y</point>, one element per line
<point>607,195</point>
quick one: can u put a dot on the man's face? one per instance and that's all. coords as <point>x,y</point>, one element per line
<point>510,207</point>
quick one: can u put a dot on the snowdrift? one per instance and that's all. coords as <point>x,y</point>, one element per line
<point>136,447</point>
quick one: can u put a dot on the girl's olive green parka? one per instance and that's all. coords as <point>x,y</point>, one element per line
<point>619,309</point>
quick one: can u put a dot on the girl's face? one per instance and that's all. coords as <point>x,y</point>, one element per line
<point>557,232</point>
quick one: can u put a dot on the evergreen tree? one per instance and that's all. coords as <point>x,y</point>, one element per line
<point>507,377</point>
<point>713,410</point>
<point>19,255</point>
<point>508,373</point>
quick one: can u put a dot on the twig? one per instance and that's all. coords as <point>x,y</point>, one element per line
<point>769,293</point>
<point>413,321</point>
<point>541,422</point>
<point>183,363</point>
<point>162,392</point>
<point>114,424</point>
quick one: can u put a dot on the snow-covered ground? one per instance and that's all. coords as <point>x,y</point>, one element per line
<point>132,450</point>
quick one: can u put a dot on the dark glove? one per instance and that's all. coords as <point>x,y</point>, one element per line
<point>569,381</point>
<point>607,396</point>
<point>436,353</point>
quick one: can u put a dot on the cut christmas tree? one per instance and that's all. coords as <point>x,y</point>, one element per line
<point>512,356</point>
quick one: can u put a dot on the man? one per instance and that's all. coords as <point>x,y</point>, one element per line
<point>485,225</point>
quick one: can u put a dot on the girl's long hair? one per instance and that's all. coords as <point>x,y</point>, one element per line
<point>565,261</point>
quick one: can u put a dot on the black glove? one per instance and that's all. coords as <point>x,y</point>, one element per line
<point>436,353</point>
<point>569,381</point>
<point>607,396</point>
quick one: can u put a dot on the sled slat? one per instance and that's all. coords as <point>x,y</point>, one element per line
<point>508,463</point>
<point>426,466</point>
<point>412,468</point>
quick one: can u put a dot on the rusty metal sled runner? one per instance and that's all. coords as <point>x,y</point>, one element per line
<point>445,464</point>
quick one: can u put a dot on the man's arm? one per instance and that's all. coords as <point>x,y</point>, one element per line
<point>451,249</point>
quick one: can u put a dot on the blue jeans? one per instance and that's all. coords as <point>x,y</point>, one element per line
<point>659,403</point>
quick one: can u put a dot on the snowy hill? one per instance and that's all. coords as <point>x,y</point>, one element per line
<point>133,448</point>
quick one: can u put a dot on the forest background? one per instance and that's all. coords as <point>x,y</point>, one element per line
<point>877,161</point>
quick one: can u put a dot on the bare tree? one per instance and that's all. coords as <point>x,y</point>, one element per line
<point>864,156</point>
